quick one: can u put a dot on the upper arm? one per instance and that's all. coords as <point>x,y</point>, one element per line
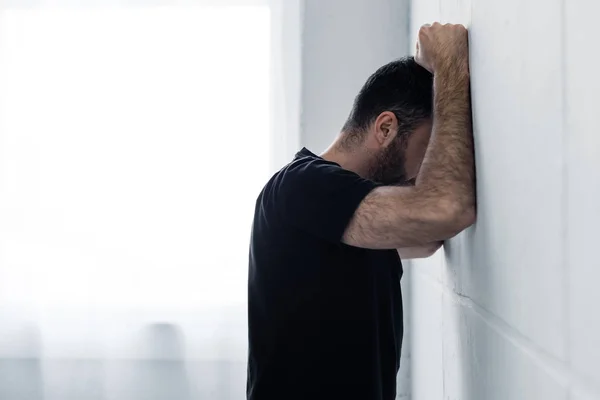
<point>319,198</point>
<point>392,217</point>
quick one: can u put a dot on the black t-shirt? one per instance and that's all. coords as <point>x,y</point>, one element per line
<point>325,318</point>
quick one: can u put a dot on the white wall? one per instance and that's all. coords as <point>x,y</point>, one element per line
<point>343,42</point>
<point>286,78</point>
<point>510,309</point>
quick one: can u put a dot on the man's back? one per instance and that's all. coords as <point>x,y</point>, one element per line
<point>325,319</point>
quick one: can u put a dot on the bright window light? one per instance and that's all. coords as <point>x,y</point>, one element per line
<point>134,142</point>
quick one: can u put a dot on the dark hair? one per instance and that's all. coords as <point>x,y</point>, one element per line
<point>402,87</point>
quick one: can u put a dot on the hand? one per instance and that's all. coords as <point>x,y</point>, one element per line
<point>442,46</point>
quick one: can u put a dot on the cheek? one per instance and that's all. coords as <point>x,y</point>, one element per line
<point>414,157</point>
<point>411,167</point>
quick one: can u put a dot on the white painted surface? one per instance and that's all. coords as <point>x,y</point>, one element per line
<point>286,77</point>
<point>518,293</point>
<point>344,41</point>
<point>426,354</point>
<point>583,201</point>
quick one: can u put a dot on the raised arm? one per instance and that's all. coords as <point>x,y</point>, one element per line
<point>442,202</point>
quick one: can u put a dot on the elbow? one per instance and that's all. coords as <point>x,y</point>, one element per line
<point>457,217</point>
<point>431,249</point>
<point>420,252</point>
<point>465,217</point>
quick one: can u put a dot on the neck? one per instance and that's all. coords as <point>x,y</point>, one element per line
<point>353,158</point>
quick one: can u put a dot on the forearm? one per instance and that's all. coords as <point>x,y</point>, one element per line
<point>448,167</point>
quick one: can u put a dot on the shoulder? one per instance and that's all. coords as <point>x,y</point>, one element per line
<point>308,172</point>
<point>296,185</point>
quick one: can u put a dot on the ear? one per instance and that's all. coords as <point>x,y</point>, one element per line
<point>386,128</point>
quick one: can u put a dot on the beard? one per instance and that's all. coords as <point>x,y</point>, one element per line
<point>388,167</point>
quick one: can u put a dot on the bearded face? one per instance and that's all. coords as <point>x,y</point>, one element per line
<point>400,162</point>
<point>388,167</point>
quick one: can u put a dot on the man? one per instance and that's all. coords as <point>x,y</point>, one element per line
<point>325,311</point>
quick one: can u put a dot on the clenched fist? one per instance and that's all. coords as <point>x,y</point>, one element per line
<point>442,46</point>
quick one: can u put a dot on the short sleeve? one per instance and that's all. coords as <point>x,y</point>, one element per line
<point>319,197</point>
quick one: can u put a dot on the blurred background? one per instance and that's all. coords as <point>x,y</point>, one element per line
<point>135,136</point>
